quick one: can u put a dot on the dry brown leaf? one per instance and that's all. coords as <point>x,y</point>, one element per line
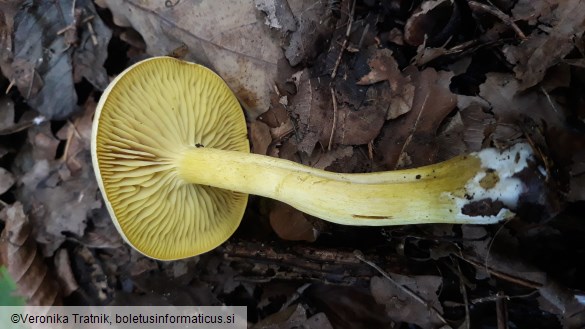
<point>226,36</point>
<point>77,135</point>
<point>410,139</point>
<point>291,224</point>
<point>294,316</point>
<point>534,56</point>
<point>18,251</point>
<point>313,109</point>
<point>260,137</point>
<point>401,306</point>
<point>385,68</point>
<point>501,253</point>
<point>282,131</point>
<point>349,307</point>
<point>314,22</point>
<point>425,21</point>
<point>322,160</point>
<point>531,11</point>
<point>65,273</point>
<point>508,103</point>
<point>95,280</point>
<point>278,14</point>
<point>59,200</point>
<point>47,82</point>
<point>6,180</point>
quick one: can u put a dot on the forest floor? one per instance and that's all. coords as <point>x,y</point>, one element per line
<point>346,86</point>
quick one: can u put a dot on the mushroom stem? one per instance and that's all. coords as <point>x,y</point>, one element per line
<point>478,188</point>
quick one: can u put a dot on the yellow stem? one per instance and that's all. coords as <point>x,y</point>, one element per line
<point>415,196</point>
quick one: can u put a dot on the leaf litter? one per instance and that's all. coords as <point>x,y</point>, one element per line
<point>347,86</point>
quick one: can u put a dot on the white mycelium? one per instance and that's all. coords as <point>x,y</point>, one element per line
<point>502,165</point>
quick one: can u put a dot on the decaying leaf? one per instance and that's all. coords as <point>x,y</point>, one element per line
<point>409,140</point>
<point>323,160</point>
<point>65,273</point>
<point>401,306</point>
<point>498,253</point>
<point>549,42</point>
<point>315,113</point>
<point>18,251</point>
<point>260,137</point>
<point>6,180</point>
<point>291,224</point>
<point>385,68</point>
<point>226,36</point>
<point>294,316</point>
<point>59,192</point>
<point>314,23</point>
<point>278,14</point>
<point>502,92</point>
<point>426,20</point>
<point>44,61</point>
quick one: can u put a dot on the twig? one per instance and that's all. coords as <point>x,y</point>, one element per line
<point>499,14</point>
<point>489,299</point>
<point>92,33</point>
<point>358,254</point>
<point>463,293</point>
<point>345,41</point>
<point>12,82</point>
<point>334,118</point>
<point>503,276</point>
<point>501,312</point>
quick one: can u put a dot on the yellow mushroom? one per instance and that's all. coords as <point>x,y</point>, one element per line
<point>171,156</point>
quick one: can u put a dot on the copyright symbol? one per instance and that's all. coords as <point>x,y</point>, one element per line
<point>14,318</point>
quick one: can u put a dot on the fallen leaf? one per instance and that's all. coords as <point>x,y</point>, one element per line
<point>294,316</point>
<point>6,180</point>
<point>532,11</point>
<point>350,307</point>
<point>65,274</point>
<point>278,14</point>
<point>18,252</point>
<point>401,306</point>
<point>291,224</point>
<point>534,56</point>
<point>226,36</point>
<point>59,200</point>
<point>44,62</point>
<point>410,140</point>
<point>385,68</point>
<point>426,20</point>
<point>499,252</point>
<point>323,160</point>
<point>314,22</point>
<point>312,108</point>
<point>260,137</point>
<point>508,103</point>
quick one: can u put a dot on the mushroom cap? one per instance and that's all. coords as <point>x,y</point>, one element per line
<point>145,119</point>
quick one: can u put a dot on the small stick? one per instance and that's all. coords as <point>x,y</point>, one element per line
<point>344,44</point>
<point>499,14</point>
<point>463,293</point>
<point>334,118</point>
<point>501,312</point>
<point>91,30</point>
<point>503,276</point>
<point>12,82</point>
<point>358,254</point>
